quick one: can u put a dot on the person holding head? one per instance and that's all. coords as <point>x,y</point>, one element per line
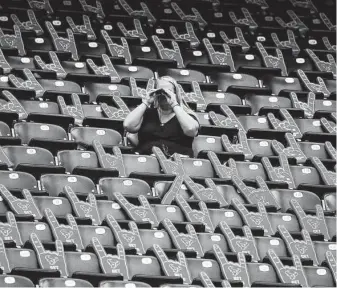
<point>163,120</point>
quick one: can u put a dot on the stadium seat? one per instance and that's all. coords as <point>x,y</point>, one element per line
<point>15,281</point>
<point>53,184</point>
<point>58,282</point>
<point>128,187</point>
<point>255,206</point>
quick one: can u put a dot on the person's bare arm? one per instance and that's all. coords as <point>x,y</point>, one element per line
<point>188,124</point>
<point>133,121</point>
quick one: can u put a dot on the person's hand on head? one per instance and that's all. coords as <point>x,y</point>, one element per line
<point>171,97</point>
<point>149,98</point>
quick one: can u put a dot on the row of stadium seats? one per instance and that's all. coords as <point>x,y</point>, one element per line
<point>255,207</point>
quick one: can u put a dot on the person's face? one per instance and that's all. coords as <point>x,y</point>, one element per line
<point>162,100</point>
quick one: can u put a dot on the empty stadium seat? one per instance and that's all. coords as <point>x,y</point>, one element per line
<point>256,204</point>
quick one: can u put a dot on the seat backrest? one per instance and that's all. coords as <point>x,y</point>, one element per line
<point>198,167</point>
<point>71,159</point>
<point>139,265</point>
<point>15,281</point>
<point>29,155</point>
<point>41,229</point>
<point>60,206</point>
<point>27,131</point>
<point>18,180</point>
<point>23,258</point>
<point>126,186</point>
<point>53,184</point>
<point>307,200</point>
<point>81,262</point>
<point>141,163</point>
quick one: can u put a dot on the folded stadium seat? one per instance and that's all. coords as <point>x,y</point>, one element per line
<point>230,193</point>
<point>211,32</point>
<point>3,206</point>
<point>85,135</point>
<point>125,284</point>
<point>330,201</point>
<point>53,184</point>
<point>90,48</point>
<point>313,149</point>
<point>262,103</point>
<point>305,175</point>
<point>331,222</point>
<point>239,84</point>
<point>310,126</point>
<point>77,68</point>
<point>159,237</point>
<point>231,217</point>
<point>250,170</point>
<point>263,244</point>
<point>209,266</point>
<point>91,110</point>
<point>38,44</point>
<point>160,188</point>
<point>247,62</point>
<point>196,59</point>
<point>45,135</point>
<point>260,148</point>
<point>102,233</point>
<point>83,265</point>
<point>262,273</point>
<point>75,158</point>
<point>203,118</point>
<point>17,181</point>
<point>41,107</point>
<point>207,240</point>
<point>331,85</point>
<point>23,258</point>
<point>279,84</point>
<point>289,221</point>
<point>319,276</point>
<point>66,282</point>
<point>96,89</point>
<point>41,229</point>
<point>24,263</point>
<point>325,106</point>
<point>146,269</point>
<point>171,212</point>
<point>61,86</point>
<point>5,130</point>
<point>227,191</point>
<point>198,168</point>
<point>142,55</point>
<point>18,62</point>
<point>60,206</point>
<point>202,144</point>
<point>322,247</point>
<point>216,97</point>
<point>180,285</point>
<point>15,281</point>
<point>83,163</point>
<point>308,200</point>
<point>127,186</point>
<point>33,160</point>
<point>250,122</point>
<point>182,75</point>
<point>143,167</point>
<point>137,72</point>
<point>300,62</point>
